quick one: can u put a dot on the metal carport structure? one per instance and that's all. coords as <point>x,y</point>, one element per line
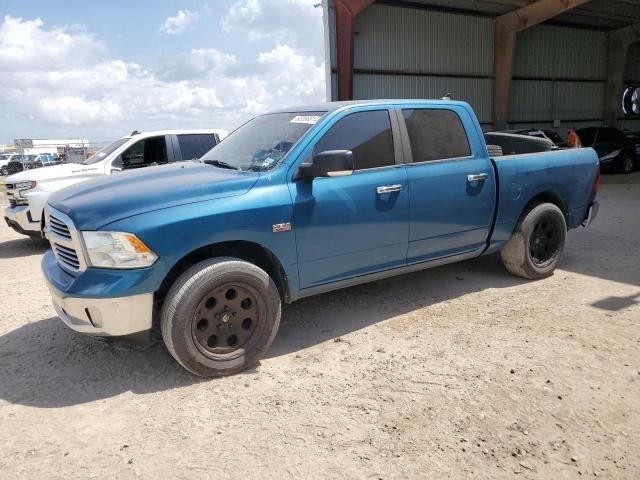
<point>520,63</point>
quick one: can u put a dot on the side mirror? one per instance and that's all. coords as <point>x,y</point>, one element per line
<point>331,163</point>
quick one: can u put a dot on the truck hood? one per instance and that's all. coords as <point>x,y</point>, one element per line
<point>55,172</point>
<point>98,202</point>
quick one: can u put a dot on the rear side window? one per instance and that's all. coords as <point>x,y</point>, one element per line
<point>435,135</point>
<point>195,146</point>
<point>367,134</point>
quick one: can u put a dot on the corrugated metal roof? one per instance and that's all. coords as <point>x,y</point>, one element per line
<point>601,14</point>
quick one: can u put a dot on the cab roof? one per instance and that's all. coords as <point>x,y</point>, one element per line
<point>332,106</point>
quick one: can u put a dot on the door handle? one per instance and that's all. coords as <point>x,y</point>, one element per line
<point>388,189</point>
<point>476,177</point>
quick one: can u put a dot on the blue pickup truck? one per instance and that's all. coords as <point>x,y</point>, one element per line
<point>295,203</point>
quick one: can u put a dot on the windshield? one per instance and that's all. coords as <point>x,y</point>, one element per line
<point>104,151</point>
<point>4,156</point>
<point>262,142</point>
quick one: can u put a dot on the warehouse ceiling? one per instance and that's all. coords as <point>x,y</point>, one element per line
<point>595,14</point>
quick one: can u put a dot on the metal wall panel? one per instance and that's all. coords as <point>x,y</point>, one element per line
<point>478,92</point>
<point>530,100</point>
<point>406,39</point>
<point>561,52</point>
<point>633,63</point>
<point>578,100</point>
<point>633,125</point>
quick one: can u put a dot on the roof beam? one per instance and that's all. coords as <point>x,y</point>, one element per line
<point>619,42</point>
<point>346,11</point>
<point>506,27</point>
<point>536,12</point>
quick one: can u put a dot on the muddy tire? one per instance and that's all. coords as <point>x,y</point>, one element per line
<point>220,317</point>
<point>536,247</point>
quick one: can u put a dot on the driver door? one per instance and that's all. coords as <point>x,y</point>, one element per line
<point>353,225</point>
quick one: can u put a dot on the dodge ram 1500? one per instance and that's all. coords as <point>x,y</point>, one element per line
<point>298,202</point>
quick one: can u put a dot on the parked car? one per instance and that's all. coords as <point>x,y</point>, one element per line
<point>616,151</point>
<point>5,158</point>
<point>44,160</point>
<point>28,191</point>
<point>20,163</point>
<point>298,202</point>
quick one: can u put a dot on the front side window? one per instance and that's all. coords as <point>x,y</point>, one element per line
<point>435,134</point>
<point>194,146</point>
<point>367,134</point>
<point>261,143</point>
<point>104,151</point>
<point>150,151</point>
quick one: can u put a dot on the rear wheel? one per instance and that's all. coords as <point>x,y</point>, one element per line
<point>4,171</point>
<point>537,245</point>
<point>628,165</point>
<point>220,317</point>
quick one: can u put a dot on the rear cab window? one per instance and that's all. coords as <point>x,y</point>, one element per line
<point>367,134</point>
<point>194,146</point>
<point>435,134</point>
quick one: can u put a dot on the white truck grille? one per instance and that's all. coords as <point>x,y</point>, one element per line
<point>65,240</point>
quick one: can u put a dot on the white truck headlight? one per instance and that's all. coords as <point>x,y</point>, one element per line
<point>117,250</point>
<point>25,185</point>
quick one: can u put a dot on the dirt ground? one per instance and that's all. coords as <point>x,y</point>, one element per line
<point>458,372</point>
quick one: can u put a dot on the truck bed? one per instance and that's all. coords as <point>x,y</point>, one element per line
<point>571,173</point>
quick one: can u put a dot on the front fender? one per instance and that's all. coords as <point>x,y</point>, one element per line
<point>175,232</point>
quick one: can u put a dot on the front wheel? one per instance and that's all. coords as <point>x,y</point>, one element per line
<point>537,245</point>
<point>220,317</point>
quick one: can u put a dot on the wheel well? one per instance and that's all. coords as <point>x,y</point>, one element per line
<point>248,251</point>
<point>549,197</point>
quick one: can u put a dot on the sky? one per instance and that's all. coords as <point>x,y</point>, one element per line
<point>98,70</point>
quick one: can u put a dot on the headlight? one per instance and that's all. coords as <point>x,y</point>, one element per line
<point>117,250</point>
<point>25,185</point>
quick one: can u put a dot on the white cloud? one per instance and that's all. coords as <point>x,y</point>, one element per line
<point>183,20</point>
<point>297,23</point>
<point>26,46</point>
<point>74,87</point>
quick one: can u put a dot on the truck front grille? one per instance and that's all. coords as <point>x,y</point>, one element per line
<point>65,240</point>
<point>67,256</point>
<point>59,227</point>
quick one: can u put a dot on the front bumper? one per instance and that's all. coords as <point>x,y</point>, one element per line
<point>106,317</point>
<point>20,220</point>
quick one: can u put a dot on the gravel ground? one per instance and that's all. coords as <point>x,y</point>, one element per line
<point>458,372</point>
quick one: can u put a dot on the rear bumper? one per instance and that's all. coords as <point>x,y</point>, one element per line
<point>20,220</point>
<point>592,213</point>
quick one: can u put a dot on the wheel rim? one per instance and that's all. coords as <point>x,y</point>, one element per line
<point>545,241</point>
<point>628,164</point>
<point>226,321</point>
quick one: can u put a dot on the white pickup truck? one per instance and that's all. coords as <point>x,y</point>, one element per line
<point>29,190</point>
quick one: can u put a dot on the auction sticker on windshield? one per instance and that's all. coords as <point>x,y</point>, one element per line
<point>310,119</point>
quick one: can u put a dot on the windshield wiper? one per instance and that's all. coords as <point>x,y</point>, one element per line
<point>218,163</point>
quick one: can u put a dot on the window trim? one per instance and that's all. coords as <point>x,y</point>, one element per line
<point>408,151</point>
<point>396,139</point>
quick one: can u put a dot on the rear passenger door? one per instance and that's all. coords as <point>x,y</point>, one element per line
<point>193,146</point>
<point>451,183</point>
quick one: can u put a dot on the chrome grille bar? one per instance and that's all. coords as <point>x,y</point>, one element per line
<point>65,239</point>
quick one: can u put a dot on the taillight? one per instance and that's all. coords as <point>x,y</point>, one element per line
<point>596,182</point>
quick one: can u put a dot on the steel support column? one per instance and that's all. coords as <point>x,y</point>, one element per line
<point>346,12</point>
<point>506,28</point>
<point>619,42</point>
